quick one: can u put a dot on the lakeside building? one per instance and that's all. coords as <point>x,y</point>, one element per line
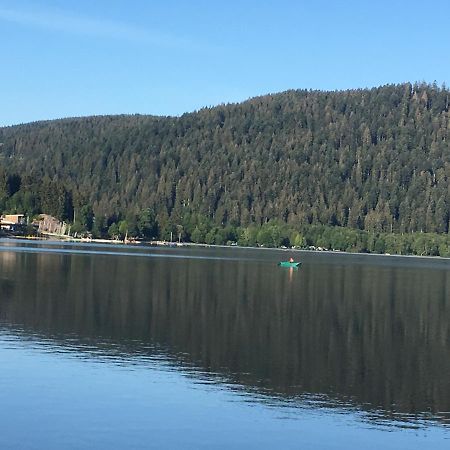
<point>12,222</point>
<point>51,225</point>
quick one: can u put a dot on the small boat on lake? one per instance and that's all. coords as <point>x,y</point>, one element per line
<point>289,263</point>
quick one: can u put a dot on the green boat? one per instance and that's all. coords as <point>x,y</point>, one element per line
<point>289,264</point>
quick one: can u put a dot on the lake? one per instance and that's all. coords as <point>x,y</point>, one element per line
<point>108,347</point>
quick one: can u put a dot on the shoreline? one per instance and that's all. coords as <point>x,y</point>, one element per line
<point>168,244</point>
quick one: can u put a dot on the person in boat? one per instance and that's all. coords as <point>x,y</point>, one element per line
<point>291,259</point>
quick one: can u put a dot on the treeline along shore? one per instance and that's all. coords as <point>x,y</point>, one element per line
<point>360,170</point>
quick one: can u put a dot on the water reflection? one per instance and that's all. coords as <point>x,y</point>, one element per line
<point>353,336</point>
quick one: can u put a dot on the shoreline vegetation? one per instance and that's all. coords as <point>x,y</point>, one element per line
<point>275,236</point>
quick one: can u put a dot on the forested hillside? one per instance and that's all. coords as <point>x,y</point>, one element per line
<point>375,160</point>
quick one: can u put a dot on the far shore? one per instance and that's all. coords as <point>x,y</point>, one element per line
<point>160,243</point>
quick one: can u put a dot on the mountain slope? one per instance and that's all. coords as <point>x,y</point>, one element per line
<point>375,159</point>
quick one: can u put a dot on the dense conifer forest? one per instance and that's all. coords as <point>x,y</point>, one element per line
<point>364,169</point>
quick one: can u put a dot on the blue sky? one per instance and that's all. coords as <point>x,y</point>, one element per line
<point>76,58</point>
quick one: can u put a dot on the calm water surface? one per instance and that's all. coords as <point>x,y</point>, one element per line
<point>109,347</point>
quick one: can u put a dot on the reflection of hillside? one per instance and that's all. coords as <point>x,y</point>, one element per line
<point>377,336</point>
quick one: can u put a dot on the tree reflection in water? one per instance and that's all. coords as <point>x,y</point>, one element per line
<point>375,336</point>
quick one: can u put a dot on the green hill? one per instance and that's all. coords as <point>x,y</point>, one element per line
<point>370,159</point>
